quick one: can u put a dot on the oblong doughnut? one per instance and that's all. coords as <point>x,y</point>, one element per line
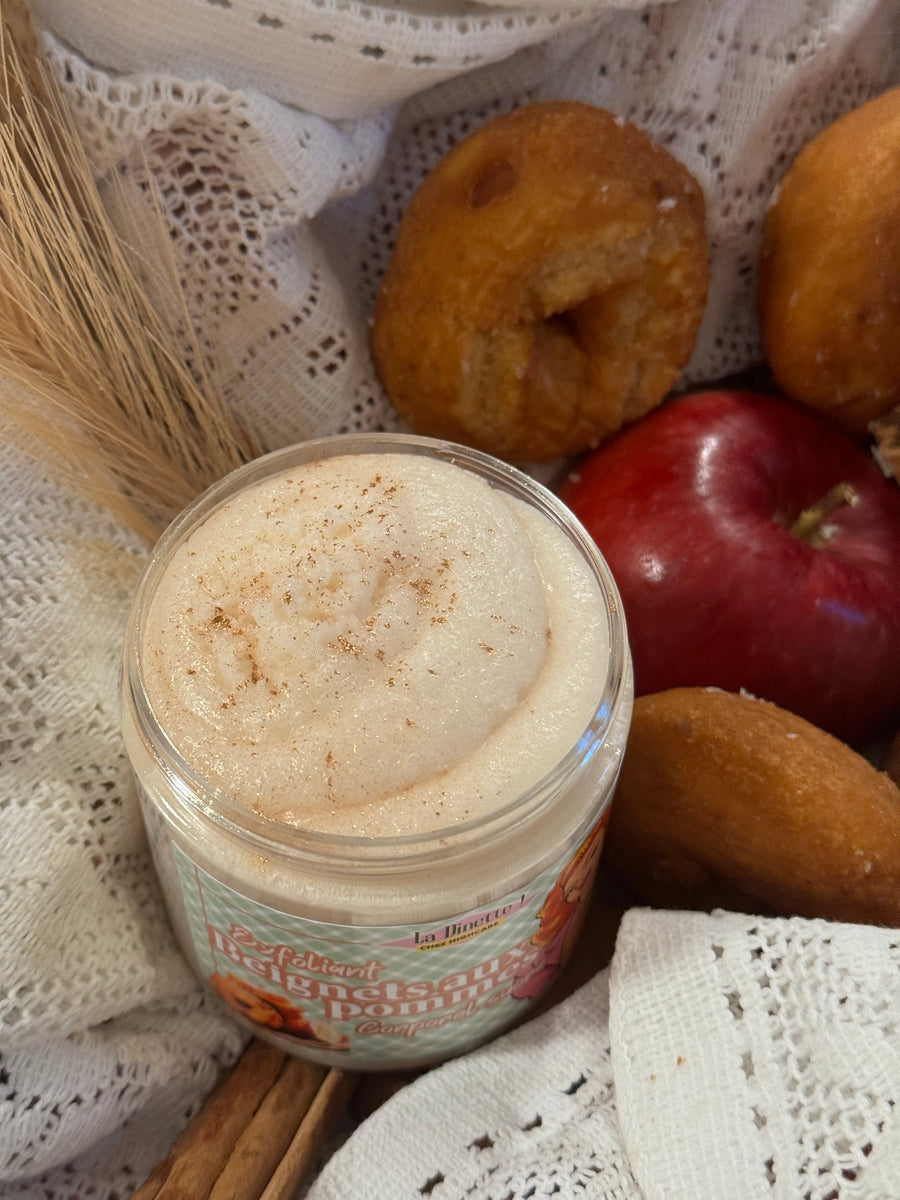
<point>547,284</point>
<point>729,801</point>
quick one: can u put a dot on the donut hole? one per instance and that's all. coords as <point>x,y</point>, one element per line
<point>567,325</point>
<point>606,319</point>
<point>614,340</point>
<point>602,328</point>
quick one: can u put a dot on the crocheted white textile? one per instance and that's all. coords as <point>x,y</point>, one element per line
<point>285,137</point>
<point>721,1056</point>
<point>757,1057</point>
<point>100,1017</point>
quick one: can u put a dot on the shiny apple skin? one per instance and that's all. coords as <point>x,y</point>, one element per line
<point>691,506</point>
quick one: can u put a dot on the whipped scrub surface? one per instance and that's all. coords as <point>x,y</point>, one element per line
<point>375,644</point>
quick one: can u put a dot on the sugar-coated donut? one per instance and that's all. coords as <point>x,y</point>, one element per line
<point>547,284</point>
<point>728,801</point>
<point>829,287</point>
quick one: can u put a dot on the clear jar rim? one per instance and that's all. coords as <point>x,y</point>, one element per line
<point>404,851</point>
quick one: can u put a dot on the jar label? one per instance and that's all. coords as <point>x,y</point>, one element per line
<point>388,994</point>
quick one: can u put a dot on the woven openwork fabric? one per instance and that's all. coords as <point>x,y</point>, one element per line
<point>285,139</point>
<point>719,1056</point>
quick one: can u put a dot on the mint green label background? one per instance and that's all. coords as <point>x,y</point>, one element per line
<point>462,985</point>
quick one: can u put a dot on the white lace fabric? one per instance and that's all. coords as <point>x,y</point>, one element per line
<point>285,138</point>
<point>338,58</point>
<point>719,1056</point>
<point>758,1057</point>
<point>100,1017</point>
<point>536,1108</point>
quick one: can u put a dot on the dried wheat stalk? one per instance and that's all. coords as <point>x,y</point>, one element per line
<point>89,370</point>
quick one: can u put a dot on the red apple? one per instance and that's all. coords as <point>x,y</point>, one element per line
<point>706,511</point>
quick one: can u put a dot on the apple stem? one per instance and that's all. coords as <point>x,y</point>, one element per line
<point>808,526</point>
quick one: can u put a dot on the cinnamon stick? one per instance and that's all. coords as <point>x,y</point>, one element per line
<point>301,1155</point>
<point>262,1145</point>
<point>256,1135</point>
<point>199,1154</point>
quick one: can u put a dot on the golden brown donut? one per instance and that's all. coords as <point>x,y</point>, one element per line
<point>728,801</point>
<point>829,287</point>
<point>547,284</point>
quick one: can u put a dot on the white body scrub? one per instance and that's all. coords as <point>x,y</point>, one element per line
<point>376,694</point>
<point>375,645</point>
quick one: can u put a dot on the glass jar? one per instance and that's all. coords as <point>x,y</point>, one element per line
<point>384,951</point>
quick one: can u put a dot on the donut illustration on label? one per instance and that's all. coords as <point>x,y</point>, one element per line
<point>276,1013</point>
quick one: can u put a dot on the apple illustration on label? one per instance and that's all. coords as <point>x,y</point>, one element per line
<point>756,547</point>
